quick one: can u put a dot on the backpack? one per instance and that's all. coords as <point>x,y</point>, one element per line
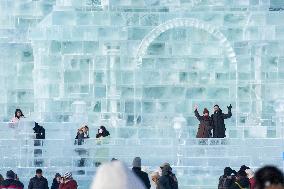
<point>225,182</point>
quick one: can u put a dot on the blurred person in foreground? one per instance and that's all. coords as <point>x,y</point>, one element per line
<point>116,175</point>
<point>269,177</point>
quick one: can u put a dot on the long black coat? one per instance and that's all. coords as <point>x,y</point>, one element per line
<point>168,180</point>
<point>143,176</point>
<point>55,184</point>
<point>38,183</point>
<point>39,131</point>
<point>219,128</point>
<point>205,126</point>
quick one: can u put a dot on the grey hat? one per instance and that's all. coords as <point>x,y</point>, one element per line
<point>136,162</point>
<point>165,165</point>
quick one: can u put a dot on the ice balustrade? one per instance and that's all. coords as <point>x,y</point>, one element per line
<point>196,156</point>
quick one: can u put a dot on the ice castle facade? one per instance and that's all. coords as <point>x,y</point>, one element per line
<point>139,67</point>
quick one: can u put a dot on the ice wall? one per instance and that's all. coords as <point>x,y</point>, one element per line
<point>107,57</point>
<point>139,66</point>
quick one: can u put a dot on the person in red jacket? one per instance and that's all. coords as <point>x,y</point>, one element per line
<point>68,182</point>
<point>11,182</point>
<point>250,175</point>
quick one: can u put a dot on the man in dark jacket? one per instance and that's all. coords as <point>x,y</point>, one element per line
<point>168,180</point>
<point>10,182</point>
<point>38,182</point>
<point>139,173</point>
<point>218,117</point>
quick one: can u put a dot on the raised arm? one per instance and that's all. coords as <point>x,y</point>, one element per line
<point>229,114</point>
<point>196,113</point>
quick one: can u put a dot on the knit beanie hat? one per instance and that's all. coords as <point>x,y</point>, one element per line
<point>67,175</point>
<point>136,162</point>
<point>10,174</point>
<point>116,175</point>
<point>250,173</point>
<point>205,111</point>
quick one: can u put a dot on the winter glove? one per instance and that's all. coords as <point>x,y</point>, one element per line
<point>229,107</point>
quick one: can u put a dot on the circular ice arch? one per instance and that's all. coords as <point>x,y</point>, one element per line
<point>186,22</point>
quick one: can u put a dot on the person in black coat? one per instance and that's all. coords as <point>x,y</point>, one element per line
<point>205,126</point>
<point>11,181</point>
<point>241,181</point>
<point>38,182</point>
<point>218,118</point>
<point>228,179</point>
<point>102,132</point>
<point>139,173</point>
<point>168,179</point>
<point>269,177</point>
<point>56,181</point>
<point>39,131</point>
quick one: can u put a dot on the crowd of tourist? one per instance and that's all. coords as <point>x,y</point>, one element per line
<point>210,126</point>
<point>268,177</point>
<point>82,132</point>
<point>117,175</point>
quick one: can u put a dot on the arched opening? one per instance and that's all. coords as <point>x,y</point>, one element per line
<point>179,63</point>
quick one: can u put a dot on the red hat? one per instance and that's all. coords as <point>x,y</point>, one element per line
<point>205,111</point>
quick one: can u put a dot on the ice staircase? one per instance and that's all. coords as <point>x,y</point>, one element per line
<point>197,162</point>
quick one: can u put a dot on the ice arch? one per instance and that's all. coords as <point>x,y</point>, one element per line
<point>186,22</point>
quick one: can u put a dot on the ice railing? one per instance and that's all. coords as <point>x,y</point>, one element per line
<point>192,159</point>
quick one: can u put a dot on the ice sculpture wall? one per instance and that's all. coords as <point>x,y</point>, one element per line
<point>90,52</point>
<point>137,66</point>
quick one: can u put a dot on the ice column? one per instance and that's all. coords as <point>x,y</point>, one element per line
<point>113,97</point>
<point>258,83</point>
<point>178,123</point>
